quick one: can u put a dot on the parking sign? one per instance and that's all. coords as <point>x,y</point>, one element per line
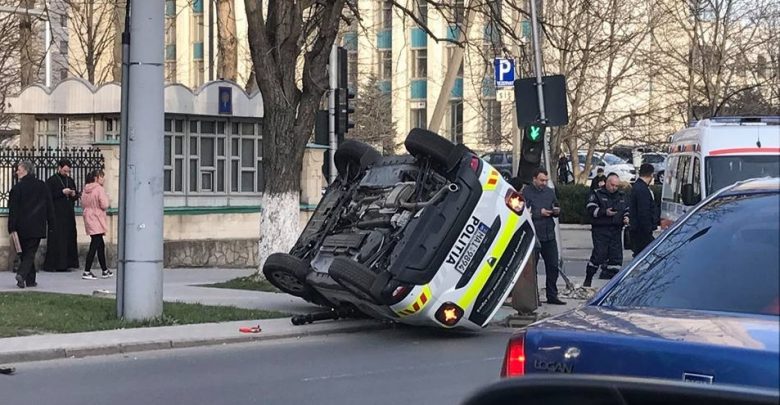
<point>504,72</point>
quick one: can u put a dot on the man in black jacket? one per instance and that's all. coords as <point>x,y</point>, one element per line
<point>62,252</point>
<point>599,181</point>
<point>30,208</point>
<point>608,211</point>
<point>543,203</point>
<point>644,213</point>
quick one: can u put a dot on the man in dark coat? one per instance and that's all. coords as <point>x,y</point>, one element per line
<point>608,211</point>
<point>644,213</point>
<point>543,203</point>
<point>30,210</point>
<point>62,249</point>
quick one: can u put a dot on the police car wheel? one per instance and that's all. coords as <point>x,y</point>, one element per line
<point>422,143</point>
<point>284,272</point>
<point>354,277</point>
<point>354,156</point>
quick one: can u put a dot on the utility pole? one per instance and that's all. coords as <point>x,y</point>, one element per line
<point>453,65</point>
<point>141,188</point>
<point>333,72</point>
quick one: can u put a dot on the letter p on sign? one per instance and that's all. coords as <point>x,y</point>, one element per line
<point>504,72</point>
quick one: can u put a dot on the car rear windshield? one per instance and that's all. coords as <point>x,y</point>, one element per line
<point>724,257</point>
<point>724,171</point>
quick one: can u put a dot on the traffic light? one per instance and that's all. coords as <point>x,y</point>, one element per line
<point>532,150</point>
<point>343,96</point>
<point>343,110</point>
<point>533,144</point>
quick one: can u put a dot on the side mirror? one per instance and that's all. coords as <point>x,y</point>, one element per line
<point>688,197</point>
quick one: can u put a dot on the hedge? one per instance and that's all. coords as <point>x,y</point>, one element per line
<point>573,198</point>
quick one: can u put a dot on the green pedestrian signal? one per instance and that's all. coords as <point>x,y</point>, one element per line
<point>535,133</point>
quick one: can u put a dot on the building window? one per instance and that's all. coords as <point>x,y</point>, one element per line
<point>386,65</point>
<point>63,74</point>
<point>419,63</point>
<point>387,14</point>
<point>47,131</point>
<point>64,48</point>
<point>64,20</point>
<point>493,121</point>
<point>459,11</point>
<point>212,157</point>
<point>170,8</point>
<point>421,11</point>
<point>419,118</point>
<point>456,121</point>
<point>111,129</point>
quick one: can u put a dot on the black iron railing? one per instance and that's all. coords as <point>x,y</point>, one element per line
<point>45,162</point>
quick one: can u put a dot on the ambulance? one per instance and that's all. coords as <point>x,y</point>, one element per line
<point>715,153</point>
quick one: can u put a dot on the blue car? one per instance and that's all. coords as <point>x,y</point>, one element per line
<point>700,304</point>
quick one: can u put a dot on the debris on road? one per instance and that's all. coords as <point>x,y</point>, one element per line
<point>250,329</point>
<point>7,370</point>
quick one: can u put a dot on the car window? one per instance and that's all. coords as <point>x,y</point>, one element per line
<point>724,257</point>
<point>612,159</point>
<point>653,158</point>
<point>496,159</point>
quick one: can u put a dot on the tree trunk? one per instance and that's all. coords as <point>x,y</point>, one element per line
<point>118,27</point>
<point>227,44</point>
<point>29,70</point>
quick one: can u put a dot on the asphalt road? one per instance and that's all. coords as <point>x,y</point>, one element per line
<point>399,366</point>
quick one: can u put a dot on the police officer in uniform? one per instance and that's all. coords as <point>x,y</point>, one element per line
<point>608,211</point>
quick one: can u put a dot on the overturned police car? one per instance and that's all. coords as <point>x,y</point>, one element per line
<point>436,237</point>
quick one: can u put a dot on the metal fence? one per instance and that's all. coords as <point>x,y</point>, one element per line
<point>45,161</point>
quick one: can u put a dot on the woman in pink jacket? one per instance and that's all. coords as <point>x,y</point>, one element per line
<point>94,201</point>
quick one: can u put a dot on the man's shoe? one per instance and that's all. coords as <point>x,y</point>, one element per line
<point>19,281</point>
<point>107,274</point>
<point>555,301</point>
<point>87,275</point>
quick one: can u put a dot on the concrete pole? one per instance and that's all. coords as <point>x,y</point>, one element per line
<point>143,237</point>
<point>125,78</point>
<point>449,78</point>
<point>333,76</point>
<point>47,36</point>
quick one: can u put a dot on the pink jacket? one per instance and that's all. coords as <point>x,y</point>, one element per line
<point>94,201</point>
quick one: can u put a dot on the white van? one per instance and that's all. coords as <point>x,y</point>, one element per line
<point>715,153</point>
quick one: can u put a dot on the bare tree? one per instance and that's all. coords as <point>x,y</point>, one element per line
<point>93,26</point>
<point>712,51</point>
<point>9,64</point>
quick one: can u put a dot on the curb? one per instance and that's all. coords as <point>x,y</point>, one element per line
<point>574,227</point>
<point>163,344</point>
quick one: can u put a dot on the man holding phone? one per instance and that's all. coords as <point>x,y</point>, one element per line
<point>543,203</point>
<point>62,252</point>
<point>608,209</point>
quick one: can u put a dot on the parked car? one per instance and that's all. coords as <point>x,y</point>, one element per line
<point>658,160</point>
<point>610,163</point>
<point>437,238</point>
<point>700,304</point>
<point>501,161</point>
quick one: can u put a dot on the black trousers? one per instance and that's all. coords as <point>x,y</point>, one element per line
<point>549,253</point>
<point>27,265</point>
<point>96,246</point>
<point>607,251</point>
<point>640,240</point>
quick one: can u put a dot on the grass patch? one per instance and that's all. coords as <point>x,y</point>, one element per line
<point>32,313</point>
<point>246,283</point>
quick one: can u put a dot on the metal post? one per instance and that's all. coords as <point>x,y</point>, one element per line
<point>543,120</point>
<point>334,83</point>
<point>47,35</point>
<point>143,236</point>
<point>123,136</point>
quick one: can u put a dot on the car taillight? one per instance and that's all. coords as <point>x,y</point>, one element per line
<point>475,163</point>
<point>514,361</point>
<point>514,201</point>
